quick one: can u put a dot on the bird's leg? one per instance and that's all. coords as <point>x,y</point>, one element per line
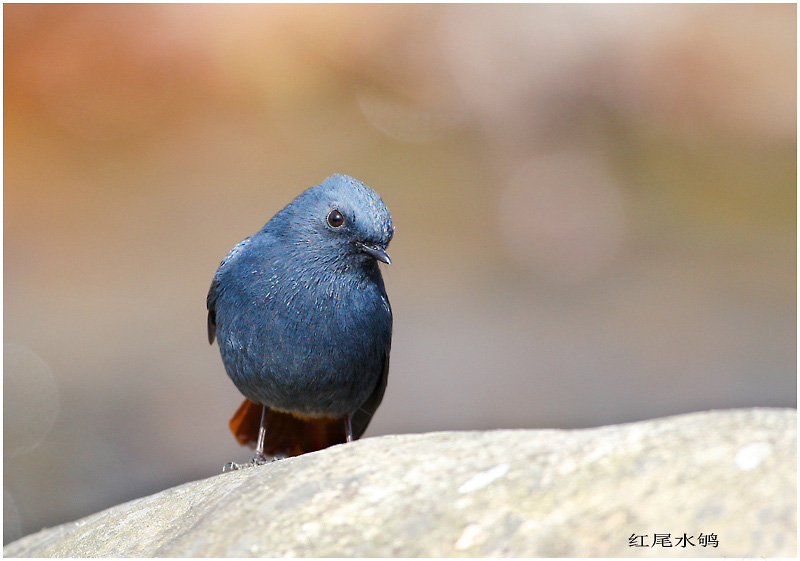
<point>348,428</point>
<point>260,457</point>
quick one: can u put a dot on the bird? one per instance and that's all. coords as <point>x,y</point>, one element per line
<point>303,321</point>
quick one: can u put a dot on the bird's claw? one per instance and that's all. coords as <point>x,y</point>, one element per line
<point>258,460</point>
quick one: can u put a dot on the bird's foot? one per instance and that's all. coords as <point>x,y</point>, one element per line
<point>258,460</point>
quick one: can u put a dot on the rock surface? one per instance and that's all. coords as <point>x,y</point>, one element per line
<point>541,493</point>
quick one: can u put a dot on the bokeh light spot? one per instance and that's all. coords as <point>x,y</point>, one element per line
<point>30,404</point>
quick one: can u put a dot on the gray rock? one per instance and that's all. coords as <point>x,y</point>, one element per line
<point>547,493</point>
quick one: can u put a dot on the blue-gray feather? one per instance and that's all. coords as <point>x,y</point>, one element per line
<point>300,312</point>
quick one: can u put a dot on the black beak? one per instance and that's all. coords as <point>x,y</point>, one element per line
<point>376,252</point>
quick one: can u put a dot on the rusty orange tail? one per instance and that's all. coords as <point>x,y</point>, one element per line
<point>286,433</point>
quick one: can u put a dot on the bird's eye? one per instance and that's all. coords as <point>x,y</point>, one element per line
<point>335,218</point>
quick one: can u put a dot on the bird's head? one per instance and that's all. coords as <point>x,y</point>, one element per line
<point>341,219</point>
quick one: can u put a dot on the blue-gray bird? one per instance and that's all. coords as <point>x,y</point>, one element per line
<point>303,321</point>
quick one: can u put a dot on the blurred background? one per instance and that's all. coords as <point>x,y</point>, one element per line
<point>595,210</point>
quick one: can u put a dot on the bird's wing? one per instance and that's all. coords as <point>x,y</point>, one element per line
<point>363,415</point>
<point>211,304</point>
<point>215,289</point>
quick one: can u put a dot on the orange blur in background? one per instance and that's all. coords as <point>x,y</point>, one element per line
<point>595,210</point>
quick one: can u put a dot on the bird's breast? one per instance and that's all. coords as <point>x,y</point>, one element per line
<point>312,345</point>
